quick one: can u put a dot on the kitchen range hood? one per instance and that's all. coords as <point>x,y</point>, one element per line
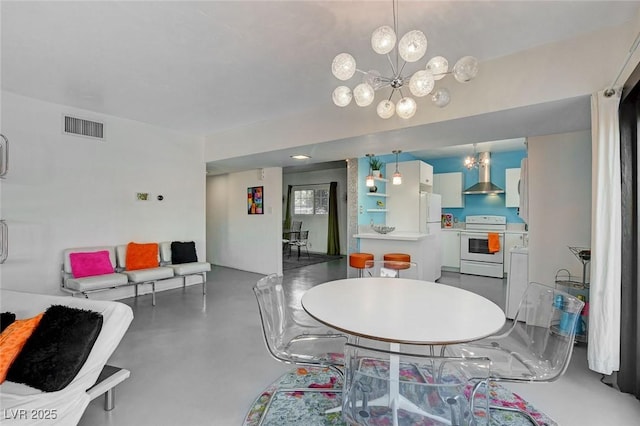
<point>484,185</point>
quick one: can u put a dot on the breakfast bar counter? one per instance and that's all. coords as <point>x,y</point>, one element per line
<point>400,236</point>
<point>420,246</point>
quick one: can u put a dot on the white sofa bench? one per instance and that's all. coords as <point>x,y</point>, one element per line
<point>86,285</point>
<point>184,269</point>
<point>142,276</point>
<point>121,276</point>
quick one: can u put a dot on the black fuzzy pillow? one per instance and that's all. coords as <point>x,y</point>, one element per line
<point>6,319</point>
<point>183,252</point>
<point>57,349</point>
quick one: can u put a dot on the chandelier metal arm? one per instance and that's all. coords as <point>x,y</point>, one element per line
<point>391,95</point>
<point>393,68</point>
<point>401,69</point>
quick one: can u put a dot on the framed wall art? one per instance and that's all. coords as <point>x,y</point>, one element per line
<point>255,200</point>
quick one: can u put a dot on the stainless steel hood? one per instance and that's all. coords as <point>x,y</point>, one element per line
<point>484,185</point>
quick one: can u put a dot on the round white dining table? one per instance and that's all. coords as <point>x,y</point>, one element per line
<point>399,310</point>
<point>403,311</point>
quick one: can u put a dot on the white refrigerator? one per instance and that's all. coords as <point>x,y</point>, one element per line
<point>431,223</point>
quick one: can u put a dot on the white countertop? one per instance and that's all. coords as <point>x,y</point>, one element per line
<point>402,236</point>
<point>508,231</point>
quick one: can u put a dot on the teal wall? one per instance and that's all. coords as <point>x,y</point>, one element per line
<point>475,204</point>
<point>482,204</point>
<point>367,202</point>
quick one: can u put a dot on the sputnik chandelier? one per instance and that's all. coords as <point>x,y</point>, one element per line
<point>411,48</point>
<point>476,160</point>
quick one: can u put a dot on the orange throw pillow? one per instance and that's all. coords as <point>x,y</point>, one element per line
<point>12,341</point>
<point>141,256</point>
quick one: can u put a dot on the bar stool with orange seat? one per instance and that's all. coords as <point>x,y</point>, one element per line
<point>396,261</point>
<point>359,260</point>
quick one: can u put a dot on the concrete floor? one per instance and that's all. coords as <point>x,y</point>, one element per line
<point>198,360</point>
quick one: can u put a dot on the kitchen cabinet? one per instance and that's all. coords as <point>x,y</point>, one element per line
<point>426,173</point>
<point>451,249</point>
<point>512,239</point>
<point>518,279</point>
<point>512,188</point>
<point>450,187</point>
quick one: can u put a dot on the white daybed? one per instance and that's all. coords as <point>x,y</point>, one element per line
<point>22,404</point>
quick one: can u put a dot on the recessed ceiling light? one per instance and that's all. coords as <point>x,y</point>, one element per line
<point>300,157</point>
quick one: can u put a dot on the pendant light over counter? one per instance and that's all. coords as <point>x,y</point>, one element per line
<point>397,177</point>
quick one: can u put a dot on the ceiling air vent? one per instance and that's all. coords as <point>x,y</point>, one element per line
<point>81,127</point>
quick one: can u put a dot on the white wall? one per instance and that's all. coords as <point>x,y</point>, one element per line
<point>67,191</point>
<point>236,239</point>
<point>512,81</point>
<point>559,203</point>
<point>317,224</point>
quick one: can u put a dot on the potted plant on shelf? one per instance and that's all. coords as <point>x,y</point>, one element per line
<point>376,166</point>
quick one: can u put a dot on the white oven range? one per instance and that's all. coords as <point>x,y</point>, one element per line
<point>475,257</point>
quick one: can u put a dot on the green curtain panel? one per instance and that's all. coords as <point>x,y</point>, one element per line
<point>333,234</point>
<point>287,212</point>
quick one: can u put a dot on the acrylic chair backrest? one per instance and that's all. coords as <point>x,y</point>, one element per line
<point>273,313</point>
<point>443,388</point>
<point>296,225</point>
<point>543,332</point>
<point>391,269</point>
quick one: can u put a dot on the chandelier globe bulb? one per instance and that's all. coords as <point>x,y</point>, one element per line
<point>342,96</point>
<point>383,40</point>
<point>412,46</point>
<point>441,97</point>
<point>343,66</point>
<point>372,78</point>
<point>386,109</point>
<point>421,83</point>
<point>363,94</point>
<point>406,108</point>
<point>439,66</point>
<point>465,69</point>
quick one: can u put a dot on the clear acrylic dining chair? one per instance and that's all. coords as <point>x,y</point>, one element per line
<point>537,347</point>
<point>293,341</point>
<point>430,389</point>
<point>391,269</point>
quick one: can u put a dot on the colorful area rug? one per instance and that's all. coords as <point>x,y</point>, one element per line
<point>307,408</point>
<point>293,262</point>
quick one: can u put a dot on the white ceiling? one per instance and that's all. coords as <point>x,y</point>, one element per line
<point>202,67</point>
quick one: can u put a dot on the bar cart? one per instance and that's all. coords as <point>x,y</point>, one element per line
<point>579,287</point>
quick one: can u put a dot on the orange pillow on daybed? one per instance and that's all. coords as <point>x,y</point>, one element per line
<point>141,256</point>
<point>12,341</point>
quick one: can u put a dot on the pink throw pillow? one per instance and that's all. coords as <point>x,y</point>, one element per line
<point>87,264</point>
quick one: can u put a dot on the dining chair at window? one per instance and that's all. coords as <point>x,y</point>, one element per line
<point>299,242</point>
<point>291,340</point>
<point>538,345</point>
<point>425,389</point>
<point>391,269</point>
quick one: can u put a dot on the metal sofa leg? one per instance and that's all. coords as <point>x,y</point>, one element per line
<point>204,283</point>
<point>153,293</point>
<point>110,399</point>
